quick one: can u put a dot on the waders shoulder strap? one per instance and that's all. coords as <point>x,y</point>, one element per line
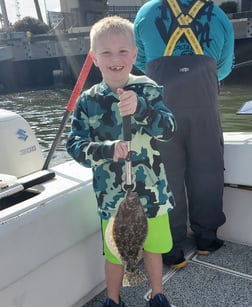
<point>184,21</point>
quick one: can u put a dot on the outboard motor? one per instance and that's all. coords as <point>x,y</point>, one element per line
<point>20,152</point>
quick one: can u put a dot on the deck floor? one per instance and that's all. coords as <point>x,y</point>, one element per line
<point>221,279</point>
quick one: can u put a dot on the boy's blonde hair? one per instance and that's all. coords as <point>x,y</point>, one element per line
<point>112,24</point>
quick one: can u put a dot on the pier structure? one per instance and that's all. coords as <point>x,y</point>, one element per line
<point>28,61</point>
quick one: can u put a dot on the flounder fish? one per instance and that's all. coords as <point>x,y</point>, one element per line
<point>125,236</point>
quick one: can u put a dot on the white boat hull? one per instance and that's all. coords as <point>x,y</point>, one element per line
<point>238,210</point>
<point>51,248</point>
<point>238,192</point>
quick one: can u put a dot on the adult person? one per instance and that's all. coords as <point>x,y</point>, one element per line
<point>187,46</point>
<point>95,141</point>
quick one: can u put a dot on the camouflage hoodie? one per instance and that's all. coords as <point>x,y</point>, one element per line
<point>97,125</point>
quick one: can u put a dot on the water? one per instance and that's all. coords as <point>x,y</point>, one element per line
<point>44,110</point>
<point>231,100</point>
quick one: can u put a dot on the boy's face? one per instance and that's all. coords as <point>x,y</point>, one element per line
<point>115,55</point>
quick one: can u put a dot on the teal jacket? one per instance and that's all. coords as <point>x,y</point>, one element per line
<point>96,127</point>
<point>154,25</point>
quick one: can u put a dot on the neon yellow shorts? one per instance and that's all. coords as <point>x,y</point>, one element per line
<point>159,239</point>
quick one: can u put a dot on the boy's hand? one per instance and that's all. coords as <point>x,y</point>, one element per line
<point>128,102</point>
<point>121,151</point>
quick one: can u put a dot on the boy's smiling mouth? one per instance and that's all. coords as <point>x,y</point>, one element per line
<point>116,68</point>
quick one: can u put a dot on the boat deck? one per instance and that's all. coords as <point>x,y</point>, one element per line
<point>220,279</point>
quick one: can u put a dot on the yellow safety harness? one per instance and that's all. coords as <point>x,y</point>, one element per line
<point>184,22</point>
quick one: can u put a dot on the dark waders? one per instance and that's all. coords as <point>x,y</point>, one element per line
<point>194,157</point>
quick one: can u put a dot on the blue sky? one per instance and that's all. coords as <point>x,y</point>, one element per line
<point>27,8</point>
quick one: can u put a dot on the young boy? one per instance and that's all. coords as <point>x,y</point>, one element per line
<point>95,141</point>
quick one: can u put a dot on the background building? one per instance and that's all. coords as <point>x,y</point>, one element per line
<point>85,12</point>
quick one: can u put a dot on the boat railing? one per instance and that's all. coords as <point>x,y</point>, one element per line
<point>241,15</point>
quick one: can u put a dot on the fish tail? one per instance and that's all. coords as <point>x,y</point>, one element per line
<point>132,279</point>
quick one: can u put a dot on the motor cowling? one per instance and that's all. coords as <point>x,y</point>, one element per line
<point>21,154</point>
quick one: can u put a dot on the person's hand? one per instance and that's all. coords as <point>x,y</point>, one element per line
<point>128,102</point>
<point>121,151</point>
